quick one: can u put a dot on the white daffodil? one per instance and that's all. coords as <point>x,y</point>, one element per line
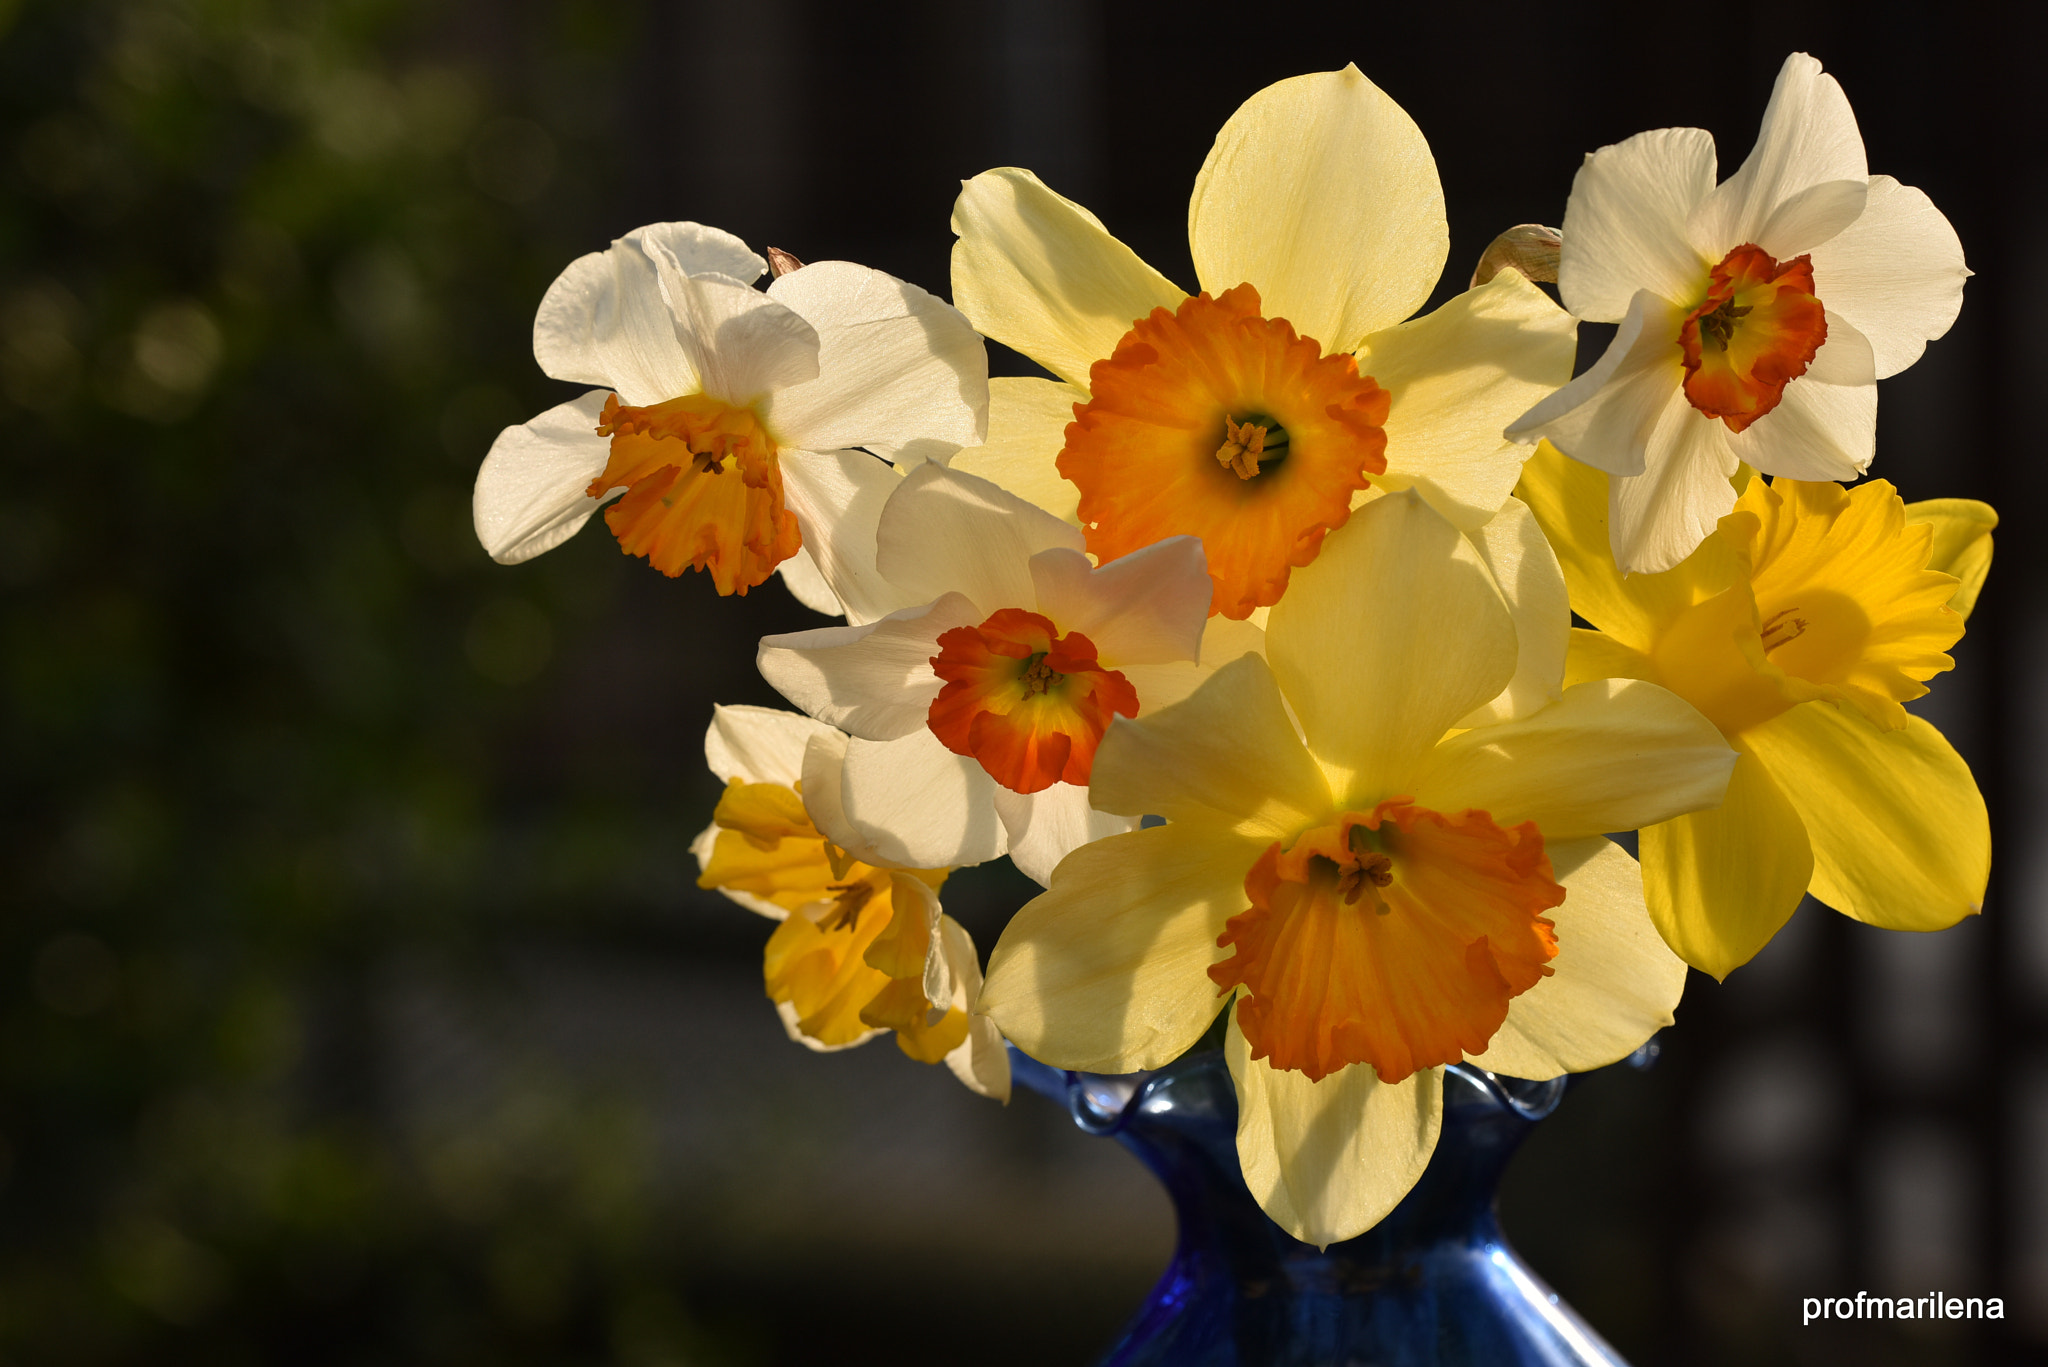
<point>718,401</point>
<point>1757,316</point>
<point>1399,855</point>
<point>975,704</point>
<point>862,949</point>
<point>1254,414</point>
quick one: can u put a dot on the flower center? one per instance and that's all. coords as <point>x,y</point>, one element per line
<point>1757,330</point>
<point>1028,703</point>
<point>1832,599</point>
<point>1394,938</point>
<point>1216,422</point>
<point>704,490</point>
<point>846,961</point>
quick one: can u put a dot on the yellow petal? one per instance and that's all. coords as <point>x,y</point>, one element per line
<point>1609,756</point>
<point>1226,755</point>
<point>1522,563</point>
<point>1365,648</point>
<point>1613,983</point>
<point>1039,273</point>
<point>1458,376</point>
<point>1027,426</point>
<point>1109,971</point>
<point>1596,655</point>
<point>1900,836</point>
<point>1720,883</point>
<point>1321,192</point>
<point>1962,543</point>
<point>1327,1160</point>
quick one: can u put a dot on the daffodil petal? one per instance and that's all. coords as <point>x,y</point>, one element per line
<point>1625,224</point>
<point>1346,643</point>
<point>1521,562</point>
<point>1812,216</point>
<point>1900,835</point>
<point>1226,755</point>
<point>1721,883</point>
<point>1045,827</point>
<point>1819,430</point>
<point>1569,501</point>
<point>1458,376</point>
<point>1328,1160</point>
<point>1897,273</point>
<point>759,744</point>
<point>838,497</point>
<point>1162,685</point>
<point>872,680</point>
<point>1148,607</point>
<point>532,489</point>
<point>1109,971</point>
<point>1962,543</point>
<point>1608,415</point>
<point>1595,655</point>
<point>1609,756</point>
<point>1321,192</point>
<point>895,364</point>
<point>1809,137</point>
<point>604,322</point>
<point>698,249</point>
<point>741,343</point>
<point>1613,983</point>
<point>1027,427</point>
<point>1659,517</point>
<point>920,805</point>
<point>981,1061</point>
<point>824,794</point>
<point>1039,273</point>
<point>807,583</point>
<point>944,531</point>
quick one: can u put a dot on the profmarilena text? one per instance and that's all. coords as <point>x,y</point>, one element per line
<point>1864,1306</point>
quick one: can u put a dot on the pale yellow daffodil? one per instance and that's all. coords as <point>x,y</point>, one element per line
<point>862,949</point>
<point>1800,627</point>
<point>1255,414</point>
<point>1387,845</point>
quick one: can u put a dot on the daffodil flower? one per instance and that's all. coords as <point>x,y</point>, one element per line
<point>1254,414</point>
<point>1757,316</point>
<point>1800,627</point>
<point>718,401</point>
<point>1388,856</point>
<point>976,703</point>
<point>862,949</point>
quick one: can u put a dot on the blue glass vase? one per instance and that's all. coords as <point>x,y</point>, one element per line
<point>1432,1285</point>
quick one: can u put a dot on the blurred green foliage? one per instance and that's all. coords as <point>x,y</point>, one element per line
<point>266,277</point>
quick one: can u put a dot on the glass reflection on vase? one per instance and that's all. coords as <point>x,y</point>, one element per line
<point>1435,1284</point>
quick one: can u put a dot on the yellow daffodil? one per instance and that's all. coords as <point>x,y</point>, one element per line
<point>1254,414</point>
<point>1386,847</point>
<point>861,949</point>
<point>1799,628</point>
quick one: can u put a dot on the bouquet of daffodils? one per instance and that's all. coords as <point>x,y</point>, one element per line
<point>1249,633</point>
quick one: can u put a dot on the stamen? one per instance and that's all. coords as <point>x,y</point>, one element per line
<point>1778,631</point>
<point>846,907</point>
<point>1247,443</point>
<point>1720,324</point>
<point>1040,677</point>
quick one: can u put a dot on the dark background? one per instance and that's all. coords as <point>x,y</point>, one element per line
<point>356,1001</point>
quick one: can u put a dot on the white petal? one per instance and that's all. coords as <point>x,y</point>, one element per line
<point>920,805</point>
<point>1045,827</point>
<point>1456,377</point>
<point>895,365</point>
<point>1027,428</point>
<point>1658,517</point>
<point>697,249</point>
<point>1625,224</point>
<point>1897,273</point>
<point>1605,416</point>
<point>1147,607</point>
<point>873,679</point>
<point>1811,217</point>
<point>741,343</point>
<point>759,744</point>
<point>1824,427</point>
<point>824,772</point>
<point>604,322</point>
<point>837,497</point>
<point>947,532</point>
<point>1521,562</point>
<point>1613,983</point>
<point>982,1060</point>
<point>1037,272</point>
<point>1808,137</point>
<point>1320,192</point>
<point>531,489</point>
<point>1328,1160</point>
<point>807,583</point>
